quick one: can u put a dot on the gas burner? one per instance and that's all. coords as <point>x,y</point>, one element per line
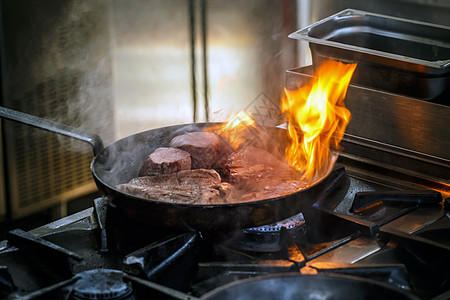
<point>101,284</point>
<point>289,223</point>
<point>267,238</point>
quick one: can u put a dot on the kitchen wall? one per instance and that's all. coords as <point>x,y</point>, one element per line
<point>247,51</point>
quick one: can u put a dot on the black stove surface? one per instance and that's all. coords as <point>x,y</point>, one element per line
<point>401,244</point>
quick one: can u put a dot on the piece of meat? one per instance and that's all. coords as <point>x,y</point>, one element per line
<point>227,192</point>
<point>259,175</point>
<point>197,186</point>
<point>196,177</point>
<point>207,150</point>
<point>166,160</point>
<point>268,189</point>
<point>162,180</point>
<point>174,194</point>
<point>250,164</point>
<point>199,177</point>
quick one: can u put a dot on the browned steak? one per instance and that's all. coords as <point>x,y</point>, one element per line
<point>258,174</point>
<point>274,188</point>
<point>207,150</point>
<point>197,186</point>
<point>166,160</point>
<point>199,177</point>
<point>248,164</point>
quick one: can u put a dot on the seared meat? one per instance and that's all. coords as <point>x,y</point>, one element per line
<point>258,175</point>
<point>197,186</point>
<point>166,160</point>
<point>207,150</point>
<point>250,163</point>
<point>274,188</point>
<point>199,177</point>
<point>253,173</point>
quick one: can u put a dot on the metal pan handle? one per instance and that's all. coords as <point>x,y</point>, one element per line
<point>94,140</point>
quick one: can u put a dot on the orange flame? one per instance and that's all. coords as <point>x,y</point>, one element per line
<point>234,130</point>
<point>317,119</point>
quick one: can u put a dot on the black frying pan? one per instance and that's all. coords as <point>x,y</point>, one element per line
<point>287,286</point>
<point>120,161</point>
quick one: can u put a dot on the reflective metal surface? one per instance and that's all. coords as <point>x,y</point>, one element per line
<point>351,252</point>
<point>393,54</point>
<point>393,40</point>
<point>417,219</point>
<point>393,130</point>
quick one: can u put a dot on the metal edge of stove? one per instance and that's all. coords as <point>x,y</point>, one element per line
<point>80,220</point>
<point>390,175</point>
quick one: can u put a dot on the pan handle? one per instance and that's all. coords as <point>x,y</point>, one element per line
<point>94,140</point>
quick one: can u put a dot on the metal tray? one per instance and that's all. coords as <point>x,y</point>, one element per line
<point>394,130</point>
<point>399,55</point>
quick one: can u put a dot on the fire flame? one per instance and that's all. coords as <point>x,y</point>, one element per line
<point>317,119</point>
<point>235,130</point>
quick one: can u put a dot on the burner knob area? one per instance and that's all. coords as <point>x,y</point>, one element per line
<point>103,284</point>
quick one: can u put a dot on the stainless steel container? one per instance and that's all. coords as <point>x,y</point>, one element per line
<point>400,132</point>
<point>397,55</point>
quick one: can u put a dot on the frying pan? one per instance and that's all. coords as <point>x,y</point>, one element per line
<point>121,161</point>
<point>288,286</point>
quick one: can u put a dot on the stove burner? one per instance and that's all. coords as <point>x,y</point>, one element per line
<point>289,223</point>
<point>101,284</point>
<point>267,238</point>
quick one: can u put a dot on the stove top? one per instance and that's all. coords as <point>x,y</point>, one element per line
<point>376,237</point>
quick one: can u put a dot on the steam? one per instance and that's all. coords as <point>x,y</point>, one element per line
<point>70,47</point>
<point>71,68</point>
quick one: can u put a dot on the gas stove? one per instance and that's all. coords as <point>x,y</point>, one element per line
<point>380,228</point>
<point>373,235</point>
